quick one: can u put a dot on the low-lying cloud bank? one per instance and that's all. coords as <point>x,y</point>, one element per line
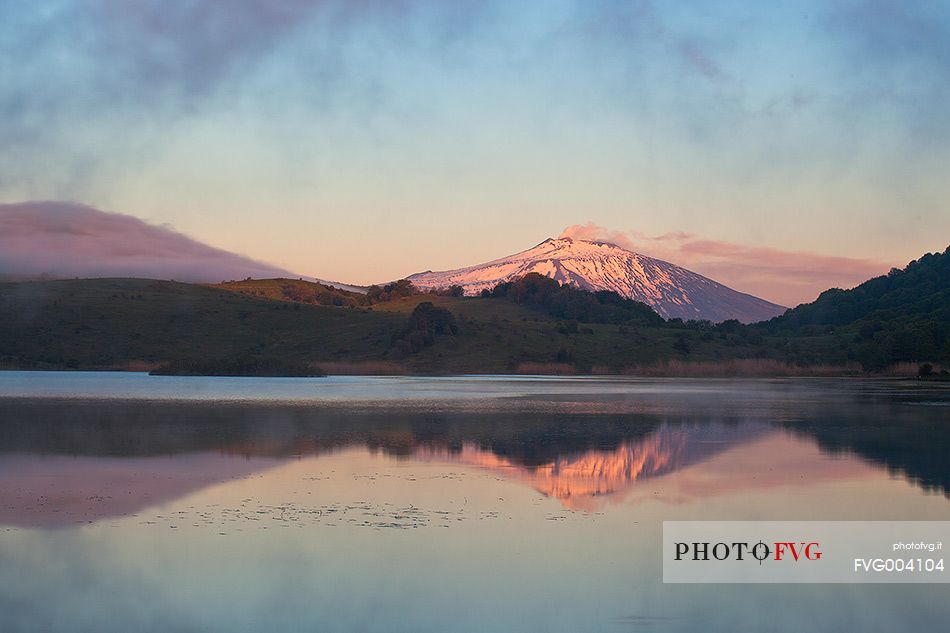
<point>785,277</point>
<point>66,239</point>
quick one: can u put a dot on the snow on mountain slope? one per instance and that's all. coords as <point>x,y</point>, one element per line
<point>671,291</point>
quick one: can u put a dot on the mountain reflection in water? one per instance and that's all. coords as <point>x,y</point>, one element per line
<point>57,454</point>
<point>581,480</point>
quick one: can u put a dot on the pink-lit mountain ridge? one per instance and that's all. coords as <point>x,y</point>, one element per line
<point>672,291</point>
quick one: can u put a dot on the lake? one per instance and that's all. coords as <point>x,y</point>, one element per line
<point>478,503</point>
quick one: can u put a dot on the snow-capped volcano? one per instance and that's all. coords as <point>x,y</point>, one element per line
<point>671,291</point>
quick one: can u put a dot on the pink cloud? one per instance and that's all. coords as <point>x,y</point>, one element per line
<point>64,239</point>
<point>597,233</point>
<point>785,277</point>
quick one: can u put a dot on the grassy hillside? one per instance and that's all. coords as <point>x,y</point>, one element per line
<point>130,323</point>
<point>294,290</point>
<point>117,322</point>
<point>136,323</point>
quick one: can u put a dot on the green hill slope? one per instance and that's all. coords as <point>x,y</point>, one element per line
<point>295,290</point>
<point>114,322</point>
<point>526,326</point>
<point>135,323</point>
<point>901,316</point>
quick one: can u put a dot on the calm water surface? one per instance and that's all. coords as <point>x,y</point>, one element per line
<point>130,502</point>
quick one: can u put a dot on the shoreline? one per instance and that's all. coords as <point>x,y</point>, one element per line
<point>689,372</point>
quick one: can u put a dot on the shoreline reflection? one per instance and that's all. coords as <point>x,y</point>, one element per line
<point>64,462</point>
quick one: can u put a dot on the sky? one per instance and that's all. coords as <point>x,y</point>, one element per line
<point>780,148</point>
